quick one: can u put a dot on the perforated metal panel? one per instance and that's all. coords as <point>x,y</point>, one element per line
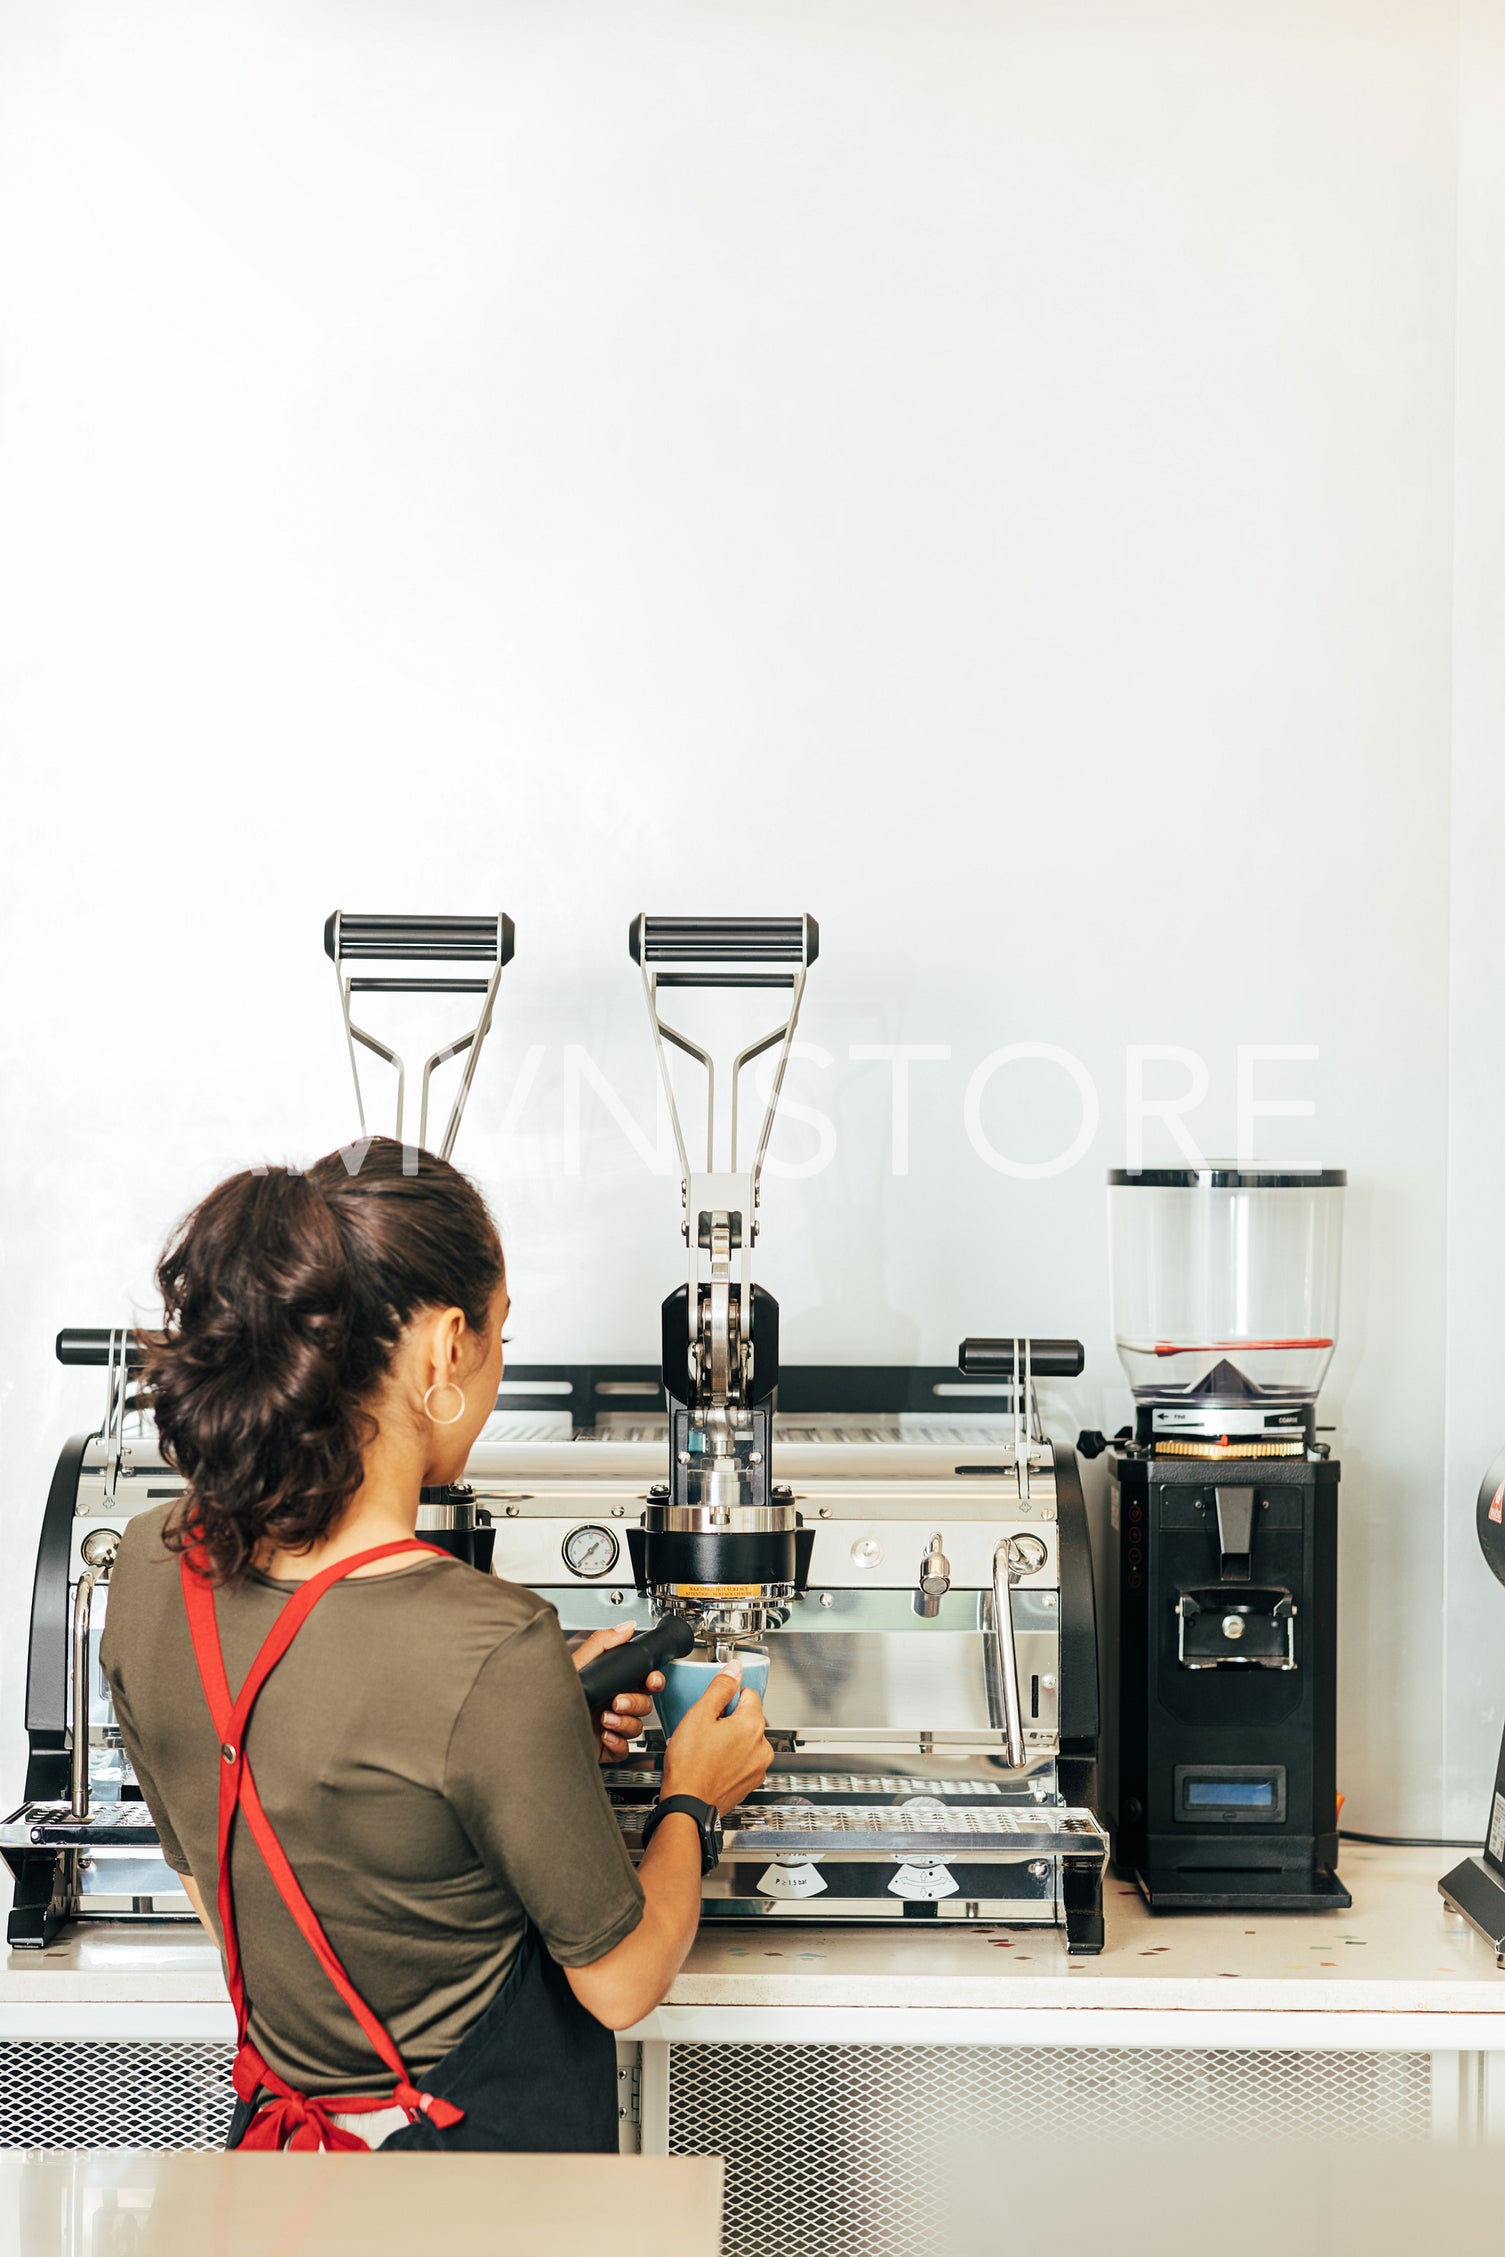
<point>836,2149</point>
<point>97,2095</point>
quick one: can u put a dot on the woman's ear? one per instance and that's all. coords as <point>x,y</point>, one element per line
<point>443,1346</point>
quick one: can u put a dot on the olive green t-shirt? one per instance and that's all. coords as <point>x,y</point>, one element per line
<point>425,1756</point>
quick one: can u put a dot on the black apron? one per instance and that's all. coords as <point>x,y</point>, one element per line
<point>535,2074</point>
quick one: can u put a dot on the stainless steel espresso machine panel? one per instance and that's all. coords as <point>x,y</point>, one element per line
<point>888,1697</point>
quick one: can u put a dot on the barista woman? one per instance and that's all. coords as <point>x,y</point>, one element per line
<point>372,1766</point>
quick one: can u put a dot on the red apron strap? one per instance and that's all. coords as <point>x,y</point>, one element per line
<point>203,1629</point>
<point>237,1791</point>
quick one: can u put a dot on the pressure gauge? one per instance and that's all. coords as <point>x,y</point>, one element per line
<point>590,1550</point>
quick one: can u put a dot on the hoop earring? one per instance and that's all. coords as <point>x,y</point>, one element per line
<point>460,1413</point>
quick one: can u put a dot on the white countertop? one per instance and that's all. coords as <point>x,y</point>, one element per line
<point>96,2202</point>
<point>1398,1950</point>
<point>1396,1953</point>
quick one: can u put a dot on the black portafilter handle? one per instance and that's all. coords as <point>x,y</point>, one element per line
<point>994,1359</point>
<point>626,1669</point>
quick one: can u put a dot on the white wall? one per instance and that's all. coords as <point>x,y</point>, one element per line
<point>984,473</point>
<point>1474,1687</point>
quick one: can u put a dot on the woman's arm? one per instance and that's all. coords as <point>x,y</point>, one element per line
<point>195,1896</point>
<point>719,1759</point>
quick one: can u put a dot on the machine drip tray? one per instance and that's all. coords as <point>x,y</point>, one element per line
<point>863,1832</point>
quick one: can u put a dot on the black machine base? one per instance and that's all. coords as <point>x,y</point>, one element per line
<point>1477,1891</point>
<point>1243,1892</point>
<point>41,1901</point>
<point>1082,1901</point>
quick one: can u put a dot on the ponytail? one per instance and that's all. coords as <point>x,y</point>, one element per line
<point>284,1298</point>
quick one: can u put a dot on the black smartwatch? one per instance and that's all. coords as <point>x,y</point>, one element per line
<point>706,1816</point>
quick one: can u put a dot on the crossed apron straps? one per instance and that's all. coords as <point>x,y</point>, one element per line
<point>289,2118</point>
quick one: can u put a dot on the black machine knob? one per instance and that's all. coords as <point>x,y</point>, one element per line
<point>994,1359</point>
<point>78,1345</point>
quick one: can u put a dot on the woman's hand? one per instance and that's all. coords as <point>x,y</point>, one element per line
<point>715,1757</point>
<point>618,1726</point>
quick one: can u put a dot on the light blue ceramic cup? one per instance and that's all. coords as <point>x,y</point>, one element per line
<point>686,1680</point>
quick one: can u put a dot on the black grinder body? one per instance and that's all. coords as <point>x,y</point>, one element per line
<point>1223,1602</point>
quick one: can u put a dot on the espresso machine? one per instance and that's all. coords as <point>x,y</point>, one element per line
<point>899,1556</point>
<point>1223,1547</point>
<point>904,1544</point>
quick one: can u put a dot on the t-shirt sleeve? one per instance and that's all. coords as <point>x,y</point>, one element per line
<point>172,1849</point>
<point>523,1777</point>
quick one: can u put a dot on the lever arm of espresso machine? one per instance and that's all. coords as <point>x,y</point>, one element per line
<point>100,1547</point>
<point>721,1208</point>
<point>719,1538</point>
<point>351,938</point>
<point>724,952</point>
<point>1005,1574</point>
<point>1021,1361</point>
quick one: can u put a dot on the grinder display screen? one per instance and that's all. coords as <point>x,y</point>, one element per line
<point>1230,1794</point>
<point>1222,1794</point>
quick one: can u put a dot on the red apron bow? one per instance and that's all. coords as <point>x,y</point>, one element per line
<point>289,2118</point>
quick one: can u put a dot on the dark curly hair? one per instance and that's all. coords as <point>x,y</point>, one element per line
<point>284,1298</point>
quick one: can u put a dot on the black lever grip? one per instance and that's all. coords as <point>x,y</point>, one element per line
<point>77,1346</point>
<point>994,1359</point>
<point>626,1669</point>
<point>420,940</point>
<point>723,940</point>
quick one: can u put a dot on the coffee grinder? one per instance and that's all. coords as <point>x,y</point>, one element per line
<point>1223,1548</point>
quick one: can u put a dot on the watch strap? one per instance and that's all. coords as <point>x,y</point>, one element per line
<point>706,1817</point>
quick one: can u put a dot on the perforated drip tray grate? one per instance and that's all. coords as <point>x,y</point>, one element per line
<point>859,1786</point>
<point>54,1822</point>
<point>875,1783</point>
<point>868,1830</point>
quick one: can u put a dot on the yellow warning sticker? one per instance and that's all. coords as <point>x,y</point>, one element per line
<point>716,1590</point>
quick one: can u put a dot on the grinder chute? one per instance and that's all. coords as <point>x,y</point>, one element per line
<point>720,1542</point>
